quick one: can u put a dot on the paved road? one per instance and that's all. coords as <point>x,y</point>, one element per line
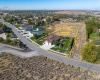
<point>71,61</point>
<point>18,52</point>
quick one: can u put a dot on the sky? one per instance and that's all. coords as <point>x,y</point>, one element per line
<point>50,4</point>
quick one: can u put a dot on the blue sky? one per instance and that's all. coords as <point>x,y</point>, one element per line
<point>50,4</point>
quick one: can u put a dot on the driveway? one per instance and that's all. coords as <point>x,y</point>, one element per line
<point>47,47</point>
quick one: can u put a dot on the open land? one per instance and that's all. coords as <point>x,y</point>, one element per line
<point>40,68</point>
<point>72,29</point>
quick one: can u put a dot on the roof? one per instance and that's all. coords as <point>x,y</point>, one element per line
<point>1,30</point>
<point>24,25</point>
<point>51,38</point>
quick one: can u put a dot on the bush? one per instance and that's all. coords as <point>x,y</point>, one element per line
<point>1,39</point>
<point>96,42</point>
<point>90,53</point>
<point>71,44</point>
<point>7,41</point>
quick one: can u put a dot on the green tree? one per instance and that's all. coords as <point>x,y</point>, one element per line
<point>1,39</point>
<point>71,44</point>
<point>89,52</point>
<point>36,36</point>
<point>7,41</point>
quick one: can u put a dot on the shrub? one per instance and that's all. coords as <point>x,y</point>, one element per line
<point>1,39</point>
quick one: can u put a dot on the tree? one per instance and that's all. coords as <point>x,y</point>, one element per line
<point>89,53</point>
<point>1,39</point>
<point>8,41</point>
<point>36,36</point>
<point>71,44</point>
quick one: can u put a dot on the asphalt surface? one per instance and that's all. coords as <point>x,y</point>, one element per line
<point>71,61</point>
<point>17,52</point>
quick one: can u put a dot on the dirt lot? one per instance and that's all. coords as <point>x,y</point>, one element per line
<point>40,68</point>
<point>71,12</point>
<point>72,29</point>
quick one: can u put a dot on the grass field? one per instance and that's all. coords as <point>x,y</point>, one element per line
<point>17,26</point>
<point>94,36</point>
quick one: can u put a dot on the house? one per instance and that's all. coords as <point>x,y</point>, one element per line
<point>27,27</point>
<point>39,31</point>
<point>49,39</point>
<point>33,30</point>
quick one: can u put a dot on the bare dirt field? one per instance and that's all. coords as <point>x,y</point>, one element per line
<point>71,12</point>
<point>72,29</point>
<point>40,68</point>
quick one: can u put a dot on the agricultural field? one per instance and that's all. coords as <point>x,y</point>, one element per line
<point>71,12</point>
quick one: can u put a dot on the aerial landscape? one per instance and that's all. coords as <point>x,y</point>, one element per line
<point>49,40</point>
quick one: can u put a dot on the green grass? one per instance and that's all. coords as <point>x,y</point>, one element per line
<point>66,43</point>
<point>94,36</point>
<point>39,41</point>
<point>17,26</point>
<point>10,35</point>
<point>32,38</point>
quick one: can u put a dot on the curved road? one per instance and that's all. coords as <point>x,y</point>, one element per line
<point>18,52</point>
<point>71,61</point>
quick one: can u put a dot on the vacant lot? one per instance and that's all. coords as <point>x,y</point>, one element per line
<point>40,68</point>
<point>72,29</point>
<point>71,12</point>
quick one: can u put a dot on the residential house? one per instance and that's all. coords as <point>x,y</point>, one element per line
<point>33,30</point>
<point>39,31</point>
<point>49,39</point>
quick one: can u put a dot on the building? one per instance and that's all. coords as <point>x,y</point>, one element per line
<point>33,30</point>
<point>38,31</point>
<point>49,39</point>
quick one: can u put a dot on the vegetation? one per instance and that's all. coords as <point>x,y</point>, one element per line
<point>71,44</point>
<point>40,68</point>
<point>94,36</point>
<point>17,26</point>
<point>9,35</point>
<point>63,45</point>
<point>91,53</point>
<point>1,39</point>
<point>92,26</point>
<point>96,41</point>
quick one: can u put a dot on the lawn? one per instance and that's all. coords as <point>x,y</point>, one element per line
<point>64,48</point>
<point>32,38</point>
<point>39,41</point>
<point>17,26</point>
<point>66,43</point>
<point>94,36</point>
